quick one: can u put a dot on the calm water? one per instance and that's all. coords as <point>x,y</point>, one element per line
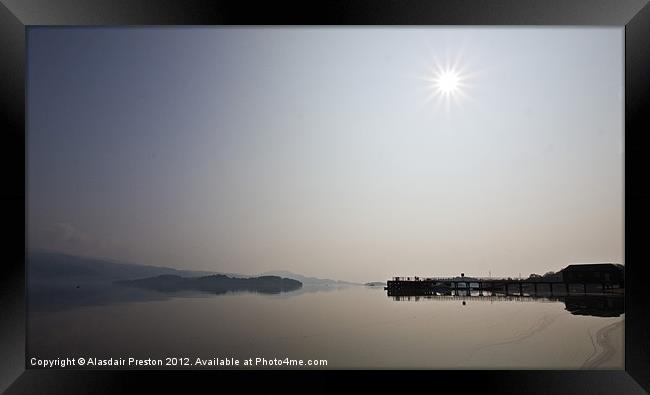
<point>353,327</point>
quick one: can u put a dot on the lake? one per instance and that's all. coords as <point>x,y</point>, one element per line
<point>350,327</point>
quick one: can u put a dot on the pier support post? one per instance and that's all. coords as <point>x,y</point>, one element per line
<point>568,289</point>
<point>584,286</point>
<point>521,289</point>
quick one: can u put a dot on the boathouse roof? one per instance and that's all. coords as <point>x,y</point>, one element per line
<point>593,267</point>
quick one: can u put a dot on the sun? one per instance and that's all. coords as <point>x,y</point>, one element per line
<point>447,85</point>
<point>447,82</point>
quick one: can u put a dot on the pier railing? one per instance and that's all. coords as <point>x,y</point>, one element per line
<point>431,285</point>
<point>476,279</point>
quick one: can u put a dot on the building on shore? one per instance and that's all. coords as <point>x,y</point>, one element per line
<point>596,273</point>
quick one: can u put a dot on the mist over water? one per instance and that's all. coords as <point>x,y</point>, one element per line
<point>351,327</point>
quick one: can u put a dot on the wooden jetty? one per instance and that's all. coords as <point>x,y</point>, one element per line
<point>453,285</point>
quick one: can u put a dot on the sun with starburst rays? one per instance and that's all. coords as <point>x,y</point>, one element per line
<point>447,84</point>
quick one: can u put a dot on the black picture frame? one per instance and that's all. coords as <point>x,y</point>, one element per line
<point>17,15</point>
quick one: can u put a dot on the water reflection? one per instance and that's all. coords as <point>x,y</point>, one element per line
<point>599,306</point>
<point>351,327</point>
<point>588,305</point>
<point>49,295</point>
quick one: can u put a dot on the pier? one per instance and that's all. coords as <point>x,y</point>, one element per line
<point>456,285</point>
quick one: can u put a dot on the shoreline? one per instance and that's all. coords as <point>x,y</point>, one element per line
<point>606,349</point>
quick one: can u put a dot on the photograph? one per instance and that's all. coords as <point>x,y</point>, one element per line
<point>325,197</point>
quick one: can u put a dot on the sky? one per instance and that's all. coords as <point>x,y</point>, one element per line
<point>328,151</point>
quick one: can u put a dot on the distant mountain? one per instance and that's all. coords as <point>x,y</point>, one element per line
<point>307,280</point>
<point>59,281</point>
<point>217,284</point>
<point>375,284</point>
<point>53,266</point>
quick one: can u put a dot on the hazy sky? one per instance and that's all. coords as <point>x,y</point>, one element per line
<point>316,150</point>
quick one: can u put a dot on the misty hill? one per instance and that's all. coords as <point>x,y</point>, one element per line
<point>375,284</point>
<point>218,284</point>
<point>59,281</point>
<point>307,280</point>
<point>53,266</point>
